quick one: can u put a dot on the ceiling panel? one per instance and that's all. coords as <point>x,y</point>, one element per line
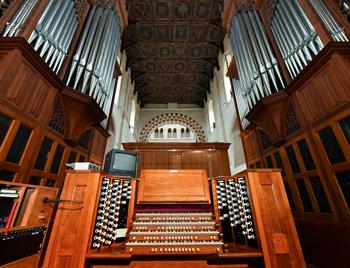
<point>172,48</point>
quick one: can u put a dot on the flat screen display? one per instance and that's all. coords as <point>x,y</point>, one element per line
<point>125,162</point>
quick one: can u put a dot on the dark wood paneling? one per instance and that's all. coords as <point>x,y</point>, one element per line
<point>29,91</point>
<point>279,239</point>
<point>212,157</point>
<point>73,221</point>
<point>320,99</point>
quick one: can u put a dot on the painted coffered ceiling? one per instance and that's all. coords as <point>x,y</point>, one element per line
<point>172,48</point>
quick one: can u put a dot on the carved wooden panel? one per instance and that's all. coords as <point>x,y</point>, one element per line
<point>36,93</point>
<point>212,157</point>
<point>28,89</point>
<point>85,138</point>
<point>38,213</point>
<point>98,145</point>
<point>57,118</point>
<point>74,221</point>
<point>173,186</point>
<point>292,122</point>
<point>251,144</point>
<point>317,96</point>
<point>4,5</point>
<point>264,139</point>
<point>278,235</point>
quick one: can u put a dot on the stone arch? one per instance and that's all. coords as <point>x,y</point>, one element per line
<point>170,118</point>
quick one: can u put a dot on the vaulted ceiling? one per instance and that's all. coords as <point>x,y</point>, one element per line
<point>172,48</point>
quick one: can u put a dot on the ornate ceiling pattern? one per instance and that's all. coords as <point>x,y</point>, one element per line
<point>172,48</point>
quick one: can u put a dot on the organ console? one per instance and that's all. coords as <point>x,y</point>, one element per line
<point>174,215</point>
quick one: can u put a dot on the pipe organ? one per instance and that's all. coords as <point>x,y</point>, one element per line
<point>14,26</point>
<point>243,220</point>
<point>344,6</point>
<point>258,70</point>
<point>329,21</point>
<point>92,66</point>
<point>54,32</point>
<point>296,37</point>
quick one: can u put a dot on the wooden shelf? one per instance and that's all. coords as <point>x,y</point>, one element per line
<point>18,228</point>
<point>240,251</point>
<point>108,256</point>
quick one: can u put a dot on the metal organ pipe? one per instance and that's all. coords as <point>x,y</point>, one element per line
<point>16,23</point>
<point>87,46</point>
<point>248,73</point>
<point>241,67</point>
<point>55,31</point>
<point>92,67</point>
<point>329,21</point>
<point>257,82</point>
<point>81,44</point>
<point>295,35</point>
<point>258,57</point>
<point>241,99</point>
<point>257,67</point>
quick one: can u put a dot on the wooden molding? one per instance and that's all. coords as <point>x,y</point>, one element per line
<point>313,67</point>
<point>175,146</point>
<point>269,113</point>
<point>83,112</point>
<point>8,44</point>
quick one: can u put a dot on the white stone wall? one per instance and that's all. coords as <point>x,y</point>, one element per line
<point>226,120</point>
<point>120,131</point>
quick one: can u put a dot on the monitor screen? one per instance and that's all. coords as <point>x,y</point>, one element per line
<point>125,162</point>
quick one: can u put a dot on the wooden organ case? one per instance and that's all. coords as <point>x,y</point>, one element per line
<point>175,218</point>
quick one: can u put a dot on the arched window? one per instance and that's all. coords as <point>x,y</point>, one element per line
<point>188,134</point>
<point>211,116</point>
<point>156,133</point>
<point>174,133</point>
<point>132,116</point>
<point>182,133</point>
<point>161,133</point>
<point>169,133</point>
<point>227,82</point>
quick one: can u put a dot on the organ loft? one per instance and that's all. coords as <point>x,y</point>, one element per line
<point>174,133</point>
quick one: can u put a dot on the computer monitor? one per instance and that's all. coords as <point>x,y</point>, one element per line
<point>121,163</point>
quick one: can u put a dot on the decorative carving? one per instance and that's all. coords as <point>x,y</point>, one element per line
<point>172,118</point>
<point>264,139</point>
<point>292,123</point>
<point>270,6</point>
<point>4,6</point>
<point>243,5</point>
<point>57,118</point>
<point>85,139</point>
<point>106,3</point>
<point>81,6</point>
